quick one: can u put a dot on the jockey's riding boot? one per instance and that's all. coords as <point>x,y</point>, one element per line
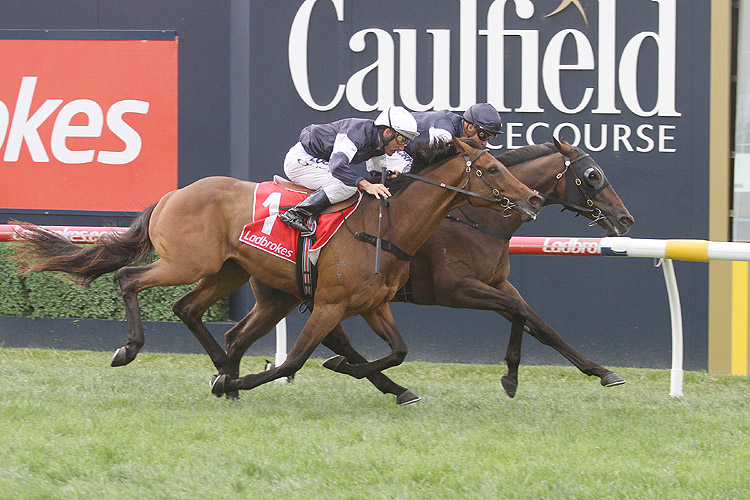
<point>314,204</point>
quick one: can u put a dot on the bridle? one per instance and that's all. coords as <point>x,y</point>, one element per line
<point>498,197</point>
<point>584,193</point>
<point>389,246</point>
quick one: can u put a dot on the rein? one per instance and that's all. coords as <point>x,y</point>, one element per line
<point>498,196</point>
<point>389,246</point>
<point>497,233</point>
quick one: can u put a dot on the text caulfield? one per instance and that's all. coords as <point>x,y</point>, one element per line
<point>609,76</point>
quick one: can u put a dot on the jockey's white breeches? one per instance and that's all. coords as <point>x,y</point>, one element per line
<point>313,173</point>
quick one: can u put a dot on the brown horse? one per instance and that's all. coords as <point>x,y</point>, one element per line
<point>467,265</point>
<point>195,231</point>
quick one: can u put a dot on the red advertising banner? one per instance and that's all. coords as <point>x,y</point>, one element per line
<point>87,124</point>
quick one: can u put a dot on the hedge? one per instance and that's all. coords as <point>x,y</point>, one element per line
<point>46,295</point>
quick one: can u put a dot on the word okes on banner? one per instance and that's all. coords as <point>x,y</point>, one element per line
<point>87,124</point>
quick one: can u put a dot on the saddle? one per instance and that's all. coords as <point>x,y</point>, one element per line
<point>336,207</point>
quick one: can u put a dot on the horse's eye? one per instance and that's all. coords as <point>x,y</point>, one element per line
<point>493,170</point>
<point>593,178</point>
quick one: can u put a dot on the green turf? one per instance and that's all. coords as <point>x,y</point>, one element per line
<point>71,427</point>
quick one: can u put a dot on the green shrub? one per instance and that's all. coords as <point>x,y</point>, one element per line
<point>49,295</point>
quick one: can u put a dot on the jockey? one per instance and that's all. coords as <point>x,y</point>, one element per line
<point>481,122</point>
<point>322,157</point>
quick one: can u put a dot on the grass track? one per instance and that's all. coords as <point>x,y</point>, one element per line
<point>71,427</point>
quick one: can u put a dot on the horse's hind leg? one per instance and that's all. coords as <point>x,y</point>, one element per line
<point>132,281</point>
<point>193,305</point>
<point>338,341</point>
<point>271,305</point>
<point>322,320</point>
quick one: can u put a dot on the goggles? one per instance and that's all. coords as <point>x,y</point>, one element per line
<point>401,140</point>
<point>483,135</point>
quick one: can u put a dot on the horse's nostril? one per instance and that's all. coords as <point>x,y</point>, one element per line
<point>627,220</point>
<point>535,200</point>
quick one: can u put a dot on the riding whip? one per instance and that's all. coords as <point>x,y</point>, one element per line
<point>378,243</point>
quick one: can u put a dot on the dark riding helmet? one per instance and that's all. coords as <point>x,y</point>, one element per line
<point>484,116</point>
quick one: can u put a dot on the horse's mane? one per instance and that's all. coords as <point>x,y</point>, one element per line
<point>532,152</point>
<point>424,155</point>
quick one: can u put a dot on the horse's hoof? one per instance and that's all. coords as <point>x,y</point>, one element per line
<point>406,398</point>
<point>334,362</point>
<point>211,384</point>
<point>121,357</point>
<point>612,379</point>
<point>218,385</point>
<point>509,386</point>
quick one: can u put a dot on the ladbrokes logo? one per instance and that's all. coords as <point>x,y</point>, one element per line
<point>262,242</point>
<point>23,128</point>
<point>87,124</point>
<point>572,246</point>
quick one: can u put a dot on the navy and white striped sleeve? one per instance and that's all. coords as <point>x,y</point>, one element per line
<point>343,152</point>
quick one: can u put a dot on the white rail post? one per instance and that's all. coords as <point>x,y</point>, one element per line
<point>675,311</point>
<point>281,346</point>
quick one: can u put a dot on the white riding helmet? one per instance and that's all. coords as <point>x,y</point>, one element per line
<point>400,120</point>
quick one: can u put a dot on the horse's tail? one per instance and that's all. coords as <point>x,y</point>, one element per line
<point>44,250</point>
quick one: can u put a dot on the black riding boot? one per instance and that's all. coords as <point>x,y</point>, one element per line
<point>314,204</point>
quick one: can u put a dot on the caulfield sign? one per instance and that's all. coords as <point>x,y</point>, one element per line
<point>87,124</point>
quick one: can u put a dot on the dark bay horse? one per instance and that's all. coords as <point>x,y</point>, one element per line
<point>467,265</point>
<point>195,231</point>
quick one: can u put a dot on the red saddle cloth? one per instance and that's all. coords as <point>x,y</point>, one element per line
<point>269,234</point>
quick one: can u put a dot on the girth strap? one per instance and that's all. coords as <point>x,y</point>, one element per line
<point>405,294</point>
<point>386,245</point>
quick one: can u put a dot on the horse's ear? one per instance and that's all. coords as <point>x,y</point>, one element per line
<point>464,145</point>
<point>562,145</point>
<point>461,145</point>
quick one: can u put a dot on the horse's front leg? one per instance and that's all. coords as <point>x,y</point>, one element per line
<point>471,293</point>
<point>382,322</point>
<point>338,341</point>
<point>547,335</point>
<point>509,381</point>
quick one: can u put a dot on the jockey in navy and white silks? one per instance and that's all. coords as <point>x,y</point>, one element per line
<point>322,159</point>
<point>480,122</point>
